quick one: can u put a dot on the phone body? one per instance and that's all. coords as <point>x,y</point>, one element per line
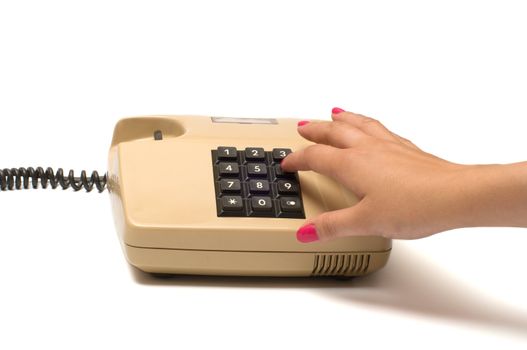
<point>174,211</point>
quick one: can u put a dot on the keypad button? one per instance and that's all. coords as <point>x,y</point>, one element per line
<point>287,187</point>
<point>280,153</point>
<point>279,172</point>
<point>256,169</point>
<point>227,153</point>
<point>228,169</point>
<point>257,186</point>
<point>254,153</point>
<point>290,204</point>
<point>232,203</point>
<point>230,185</point>
<point>261,203</point>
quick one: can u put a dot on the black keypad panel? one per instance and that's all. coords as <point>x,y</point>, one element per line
<point>250,183</point>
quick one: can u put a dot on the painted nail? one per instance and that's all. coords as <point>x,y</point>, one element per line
<point>307,233</point>
<point>337,110</point>
<point>303,122</point>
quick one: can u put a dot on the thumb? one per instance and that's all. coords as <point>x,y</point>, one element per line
<point>350,221</point>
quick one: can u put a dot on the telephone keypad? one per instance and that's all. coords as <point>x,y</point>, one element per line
<point>251,183</point>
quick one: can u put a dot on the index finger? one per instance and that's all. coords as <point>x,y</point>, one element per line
<point>320,158</point>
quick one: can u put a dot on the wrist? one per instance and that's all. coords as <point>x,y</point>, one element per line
<point>491,195</point>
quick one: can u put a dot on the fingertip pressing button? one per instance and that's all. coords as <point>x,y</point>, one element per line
<point>280,153</point>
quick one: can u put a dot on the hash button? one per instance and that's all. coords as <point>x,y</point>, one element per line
<point>290,204</point>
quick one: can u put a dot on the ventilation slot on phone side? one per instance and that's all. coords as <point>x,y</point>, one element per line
<point>340,264</point>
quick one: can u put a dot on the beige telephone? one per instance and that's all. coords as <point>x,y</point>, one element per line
<point>216,202</point>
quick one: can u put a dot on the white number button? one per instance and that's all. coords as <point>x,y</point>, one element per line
<point>261,203</point>
<point>227,153</point>
<point>228,169</point>
<point>254,153</point>
<point>258,186</point>
<point>287,186</point>
<point>256,169</point>
<point>280,153</point>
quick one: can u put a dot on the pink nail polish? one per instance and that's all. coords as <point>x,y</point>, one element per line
<point>307,233</point>
<point>337,110</point>
<point>303,122</point>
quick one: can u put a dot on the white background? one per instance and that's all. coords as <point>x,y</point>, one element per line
<point>449,75</point>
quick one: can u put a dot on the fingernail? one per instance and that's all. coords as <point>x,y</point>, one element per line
<point>303,122</point>
<point>337,110</point>
<point>307,233</point>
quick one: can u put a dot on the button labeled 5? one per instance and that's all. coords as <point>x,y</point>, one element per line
<point>256,169</point>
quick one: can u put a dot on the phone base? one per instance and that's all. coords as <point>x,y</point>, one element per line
<point>240,263</point>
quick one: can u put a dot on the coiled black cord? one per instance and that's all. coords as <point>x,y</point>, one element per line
<point>18,178</point>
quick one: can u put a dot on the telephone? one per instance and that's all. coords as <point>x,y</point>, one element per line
<point>215,200</point>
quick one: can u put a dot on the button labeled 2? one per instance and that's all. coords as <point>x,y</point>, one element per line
<point>255,153</point>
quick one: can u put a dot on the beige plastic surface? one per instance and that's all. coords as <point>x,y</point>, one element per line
<point>164,205</point>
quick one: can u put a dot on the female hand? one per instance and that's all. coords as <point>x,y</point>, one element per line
<point>404,192</point>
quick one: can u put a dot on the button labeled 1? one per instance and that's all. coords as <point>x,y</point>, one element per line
<point>229,153</point>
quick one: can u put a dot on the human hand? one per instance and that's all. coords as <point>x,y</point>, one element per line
<point>404,192</point>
